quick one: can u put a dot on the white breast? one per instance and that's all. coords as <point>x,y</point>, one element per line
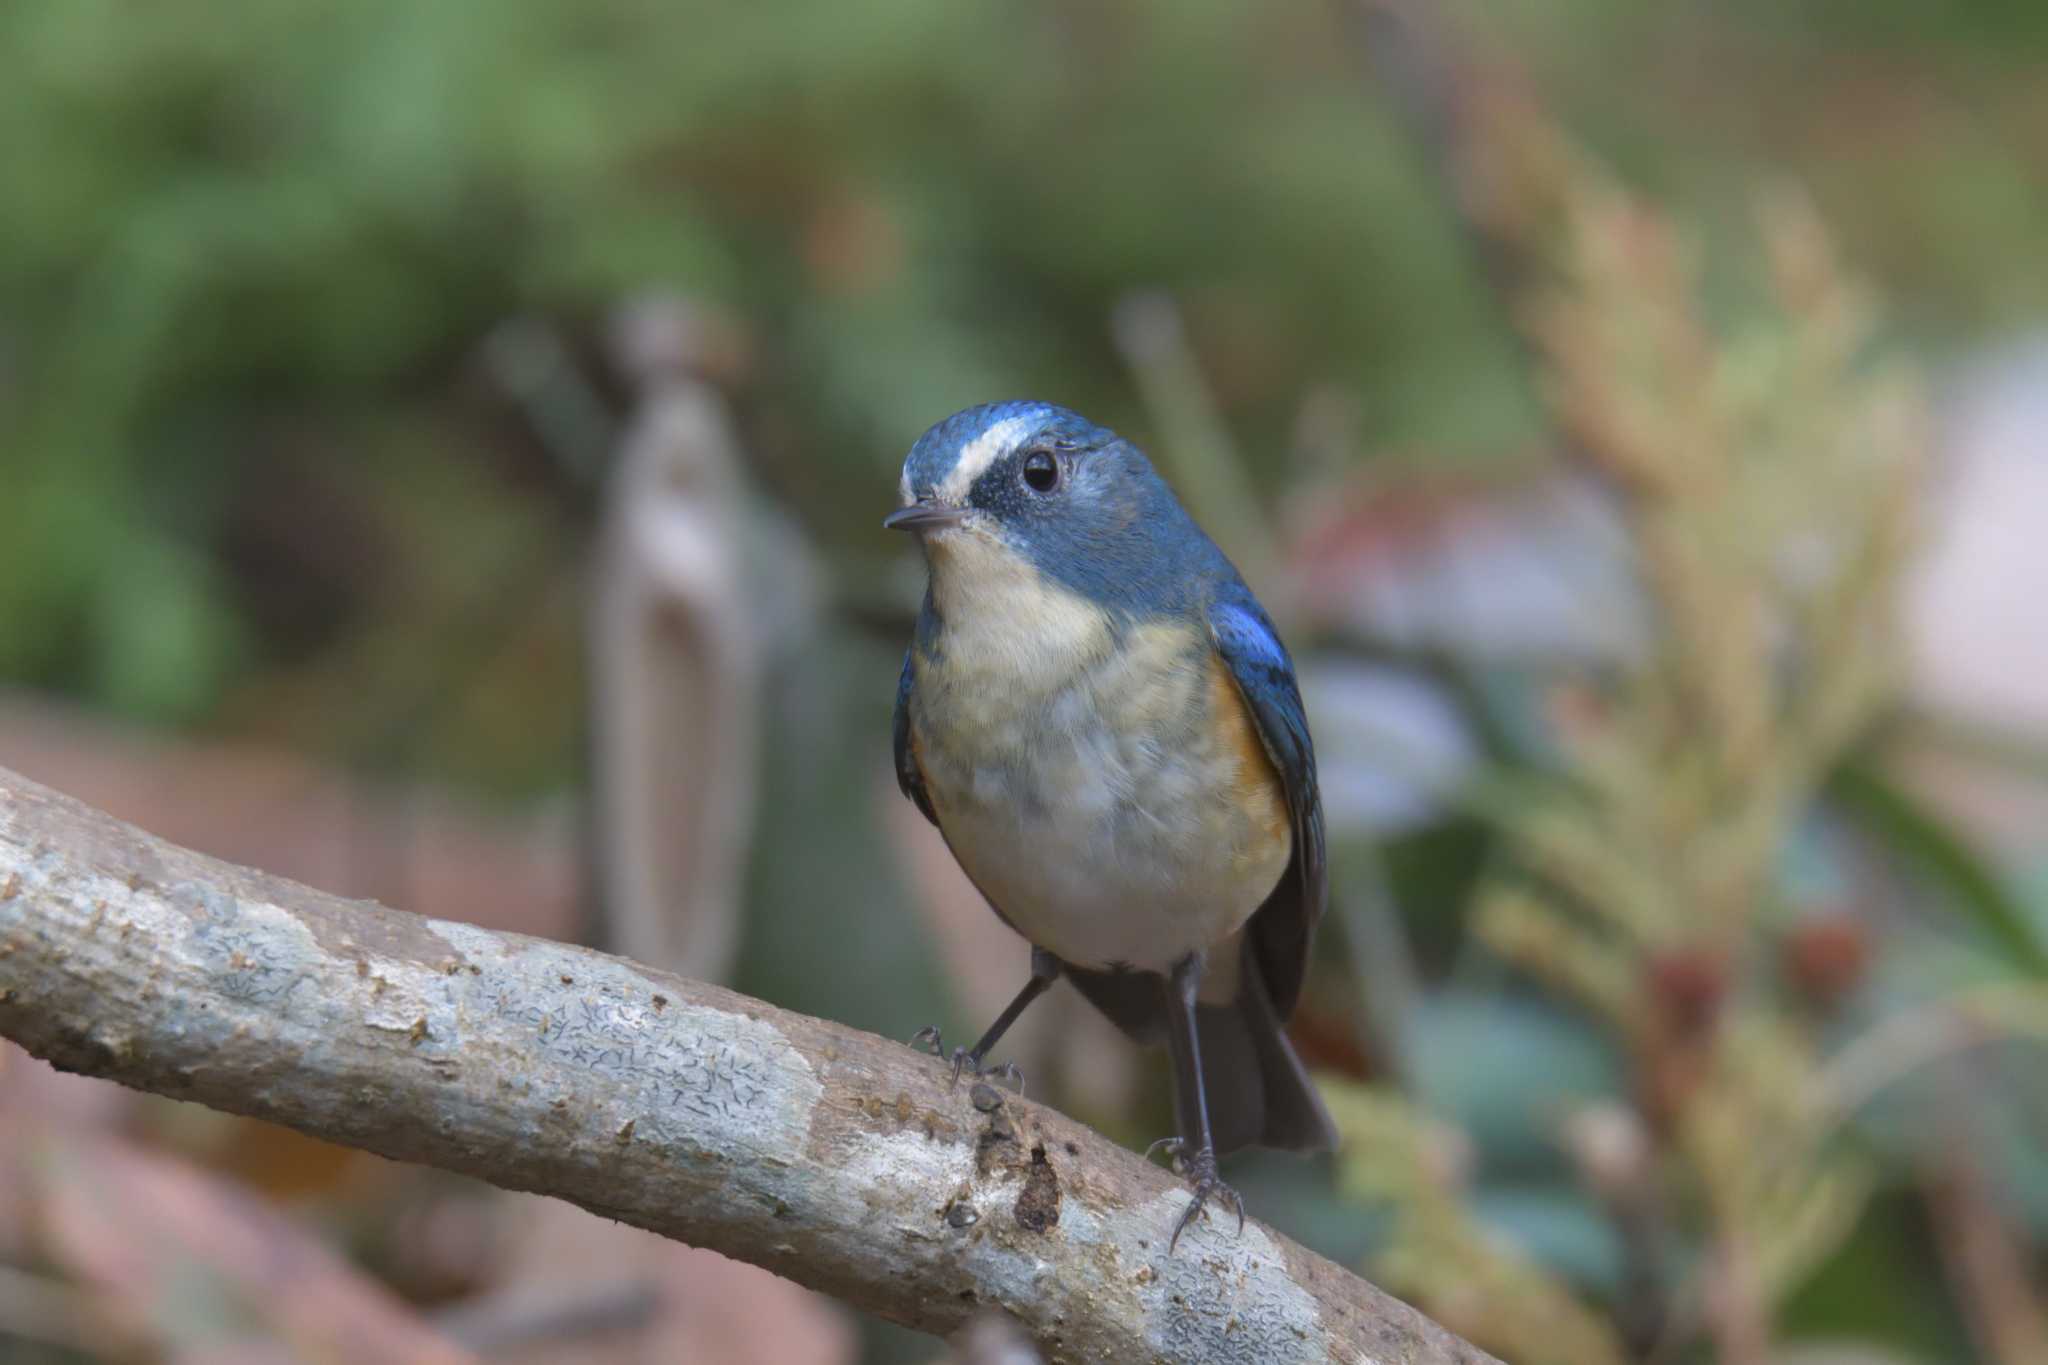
<point>1078,775</point>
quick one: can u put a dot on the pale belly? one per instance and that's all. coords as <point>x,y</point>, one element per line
<point>1111,808</point>
<point>1097,896</point>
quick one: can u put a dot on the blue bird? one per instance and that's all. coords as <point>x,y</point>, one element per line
<point>1102,722</point>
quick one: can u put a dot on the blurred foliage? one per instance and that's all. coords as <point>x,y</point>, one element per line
<point>278,464</point>
<point>247,266</point>
<point>1650,869</point>
<point>1439,1254</point>
<point>280,240</point>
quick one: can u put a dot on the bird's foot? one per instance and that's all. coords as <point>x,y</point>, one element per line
<point>1008,1071</point>
<point>966,1062</point>
<point>1172,1147</point>
<point>1207,1185</point>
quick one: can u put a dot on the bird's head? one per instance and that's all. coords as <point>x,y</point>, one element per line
<point>1043,489</point>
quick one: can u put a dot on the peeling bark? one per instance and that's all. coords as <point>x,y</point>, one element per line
<point>843,1161</point>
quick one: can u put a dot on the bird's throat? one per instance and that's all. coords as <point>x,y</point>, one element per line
<point>1002,621</point>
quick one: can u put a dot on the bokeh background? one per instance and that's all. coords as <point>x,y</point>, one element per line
<point>441,456</point>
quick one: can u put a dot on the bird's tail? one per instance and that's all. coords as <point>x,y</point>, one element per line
<point>1258,1091</point>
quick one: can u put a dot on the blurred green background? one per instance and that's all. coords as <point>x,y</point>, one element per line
<point>309,390</point>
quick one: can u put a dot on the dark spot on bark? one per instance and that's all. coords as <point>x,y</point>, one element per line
<point>1038,1204</point>
<point>11,888</point>
<point>1073,1149</point>
<point>660,1003</point>
<point>568,980</point>
<point>76,1049</point>
<point>996,1145</point>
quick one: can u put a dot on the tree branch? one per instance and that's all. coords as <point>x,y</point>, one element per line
<point>841,1160</point>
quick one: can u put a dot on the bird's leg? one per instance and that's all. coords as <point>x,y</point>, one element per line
<point>1045,969</point>
<point>1195,1150</point>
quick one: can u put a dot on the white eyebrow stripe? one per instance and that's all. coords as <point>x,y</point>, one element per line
<point>978,454</point>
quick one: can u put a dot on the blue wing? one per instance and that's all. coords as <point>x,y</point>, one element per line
<point>1259,663</point>
<point>908,775</point>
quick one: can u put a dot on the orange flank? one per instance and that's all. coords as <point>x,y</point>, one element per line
<point>1255,779</point>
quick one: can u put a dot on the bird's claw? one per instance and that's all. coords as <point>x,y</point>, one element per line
<point>1171,1146</point>
<point>1205,1183</point>
<point>965,1063</point>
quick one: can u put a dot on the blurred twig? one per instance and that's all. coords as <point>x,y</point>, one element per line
<point>1390,986</point>
<point>529,361</point>
<point>1502,164</point>
<point>2024,755</point>
<point>838,1159</point>
<point>1889,1051</point>
<point>1987,1271</point>
<point>1915,837</point>
<point>677,644</point>
<point>1194,443</point>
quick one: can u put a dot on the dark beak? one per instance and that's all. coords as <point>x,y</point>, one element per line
<point>920,517</point>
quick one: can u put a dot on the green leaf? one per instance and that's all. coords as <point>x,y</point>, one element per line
<point>1939,852</point>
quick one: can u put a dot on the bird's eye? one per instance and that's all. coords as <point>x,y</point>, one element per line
<point>1041,472</point>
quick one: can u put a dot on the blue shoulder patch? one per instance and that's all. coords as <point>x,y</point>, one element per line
<point>1244,633</point>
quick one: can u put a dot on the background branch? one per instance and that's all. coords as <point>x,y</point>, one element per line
<point>841,1160</point>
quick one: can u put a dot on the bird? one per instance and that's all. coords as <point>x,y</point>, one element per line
<point>1103,723</point>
